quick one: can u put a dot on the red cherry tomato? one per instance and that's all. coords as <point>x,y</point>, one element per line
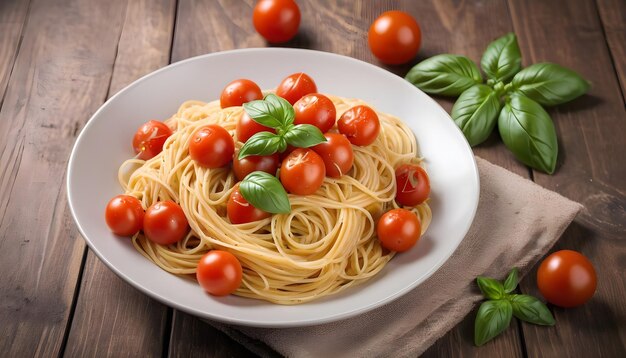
<point>394,37</point>
<point>211,146</point>
<point>246,127</point>
<point>336,153</point>
<point>296,86</point>
<point>413,185</point>
<point>239,92</point>
<point>276,20</point>
<point>302,172</point>
<point>219,273</point>
<point>149,138</point>
<point>165,223</point>
<point>398,230</point>
<point>567,278</point>
<point>253,163</point>
<point>360,125</point>
<point>124,215</point>
<point>316,109</point>
<point>240,211</point>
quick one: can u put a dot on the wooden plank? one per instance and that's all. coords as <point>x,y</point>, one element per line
<point>613,18</point>
<point>13,15</point>
<point>591,134</point>
<point>125,322</point>
<point>60,77</point>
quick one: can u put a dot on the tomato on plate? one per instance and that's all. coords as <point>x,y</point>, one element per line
<point>566,278</point>
<point>149,139</point>
<point>413,185</point>
<point>246,127</point>
<point>302,172</point>
<point>296,86</point>
<point>219,273</point>
<point>124,215</point>
<point>360,125</point>
<point>240,211</point>
<point>336,153</point>
<point>394,37</point>
<point>253,163</point>
<point>165,223</point>
<point>398,230</point>
<point>315,109</point>
<point>239,92</point>
<point>276,20</point>
<point>211,146</point>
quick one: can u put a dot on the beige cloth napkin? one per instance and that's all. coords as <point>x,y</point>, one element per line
<point>516,224</point>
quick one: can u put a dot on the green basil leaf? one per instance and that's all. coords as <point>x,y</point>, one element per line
<point>490,288</point>
<point>502,58</point>
<point>492,319</point>
<point>510,284</point>
<point>262,143</point>
<point>304,136</point>
<point>527,130</point>
<point>447,75</point>
<point>549,84</point>
<point>530,309</point>
<point>264,191</point>
<point>476,113</point>
<point>273,111</point>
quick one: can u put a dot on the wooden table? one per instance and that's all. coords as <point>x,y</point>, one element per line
<point>61,59</point>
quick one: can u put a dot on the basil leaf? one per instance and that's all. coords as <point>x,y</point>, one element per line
<point>262,143</point>
<point>273,111</point>
<point>502,58</point>
<point>304,136</point>
<point>549,84</point>
<point>490,288</point>
<point>264,191</point>
<point>492,319</point>
<point>476,113</point>
<point>510,284</point>
<point>527,130</point>
<point>447,75</point>
<point>530,309</point>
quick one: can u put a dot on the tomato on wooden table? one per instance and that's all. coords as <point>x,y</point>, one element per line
<point>336,153</point>
<point>124,215</point>
<point>566,278</point>
<point>240,211</point>
<point>413,185</point>
<point>394,37</point>
<point>253,163</point>
<point>276,20</point>
<point>302,172</point>
<point>219,273</point>
<point>296,86</point>
<point>360,124</point>
<point>239,92</point>
<point>398,230</point>
<point>211,146</point>
<point>315,109</point>
<point>246,127</point>
<point>165,223</point>
<point>149,139</point>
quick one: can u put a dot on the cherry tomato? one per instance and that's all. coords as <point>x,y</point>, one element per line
<point>566,278</point>
<point>360,125</point>
<point>124,215</point>
<point>240,211</point>
<point>276,20</point>
<point>302,172</point>
<point>211,146</point>
<point>253,163</point>
<point>149,138</point>
<point>239,92</point>
<point>398,230</point>
<point>394,37</point>
<point>336,153</point>
<point>413,185</point>
<point>316,109</point>
<point>219,273</point>
<point>165,223</point>
<point>296,86</point>
<point>246,127</point>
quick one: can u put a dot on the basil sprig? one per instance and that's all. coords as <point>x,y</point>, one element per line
<point>494,315</point>
<point>516,94</point>
<point>275,112</point>
<point>264,191</point>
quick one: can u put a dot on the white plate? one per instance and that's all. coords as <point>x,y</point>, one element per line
<point>105,143</point>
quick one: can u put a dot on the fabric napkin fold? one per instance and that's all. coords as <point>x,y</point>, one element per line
<point>517,222</point>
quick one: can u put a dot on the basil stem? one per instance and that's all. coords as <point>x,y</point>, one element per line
<point>502,58</point>
<point>447,75</point>
<point>476,112</point>
<point>549,84</point>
